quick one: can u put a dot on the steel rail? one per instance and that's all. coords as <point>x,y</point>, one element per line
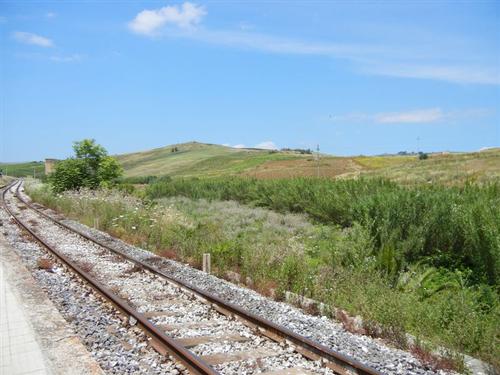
<point>340,363</point>
<point>194,363</point>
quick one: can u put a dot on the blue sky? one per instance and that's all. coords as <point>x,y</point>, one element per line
<point>355,77</point>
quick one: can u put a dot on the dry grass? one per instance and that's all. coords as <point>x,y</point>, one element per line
<point>433,361</point>
<point>167,253</point>
<point>304,167</point>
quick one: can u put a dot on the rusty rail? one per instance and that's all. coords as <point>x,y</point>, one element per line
<point>194,363</point>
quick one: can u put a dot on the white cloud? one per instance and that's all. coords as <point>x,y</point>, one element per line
<point>410,117</point>
<point>417,116</point>
<point>239,146</point>
<point>185,16</point>
<point>50,14</point>
<point>430,59</point>
<point>267,145</point>
<point>29,38</point>
<point>458,74</point>
<point>70,58</point>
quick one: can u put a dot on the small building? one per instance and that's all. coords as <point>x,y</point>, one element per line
<point>50,165</point>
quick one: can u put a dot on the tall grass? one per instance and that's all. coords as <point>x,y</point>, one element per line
<point>456,228</point>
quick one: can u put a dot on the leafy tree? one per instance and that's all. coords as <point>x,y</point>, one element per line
<point>108,171</point>
<point>91,167</point>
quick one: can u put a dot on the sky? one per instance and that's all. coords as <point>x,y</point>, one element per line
<point>354,77</point>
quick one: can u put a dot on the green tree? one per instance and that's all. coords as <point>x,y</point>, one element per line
<point>91,167</point>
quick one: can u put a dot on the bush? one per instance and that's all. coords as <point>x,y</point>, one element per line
<point>422,156</point>
<point>91,167</point>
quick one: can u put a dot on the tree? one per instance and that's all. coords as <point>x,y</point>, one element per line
<point>422,156</point>
<point>91,167</point>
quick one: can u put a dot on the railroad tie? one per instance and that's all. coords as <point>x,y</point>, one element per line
<point>217,359</point>
<point>206,323</point>
<point>155,314</point>
<point>289,371</point>
<point>189,342</point>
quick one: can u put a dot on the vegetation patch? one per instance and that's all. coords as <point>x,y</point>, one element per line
<point>91,167</point>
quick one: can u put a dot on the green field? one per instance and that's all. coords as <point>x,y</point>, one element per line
<point>31,168</point>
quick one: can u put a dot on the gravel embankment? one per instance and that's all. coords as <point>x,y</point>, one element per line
<point>117,347</point>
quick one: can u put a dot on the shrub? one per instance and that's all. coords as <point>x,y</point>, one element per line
<point>422,156</point>
<point>91,167</point>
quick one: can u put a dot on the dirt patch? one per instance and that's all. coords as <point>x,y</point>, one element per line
<point>45,264</point>
<point>432,360</point>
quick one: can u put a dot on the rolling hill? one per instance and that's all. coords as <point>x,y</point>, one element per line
<point>195,159</point>
<point>198,159</point>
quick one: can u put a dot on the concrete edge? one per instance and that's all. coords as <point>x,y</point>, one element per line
<point>63,351</point>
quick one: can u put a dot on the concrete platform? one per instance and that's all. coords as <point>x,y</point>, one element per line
<point>34,337</point>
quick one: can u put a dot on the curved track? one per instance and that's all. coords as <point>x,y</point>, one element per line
<point>331,359</point>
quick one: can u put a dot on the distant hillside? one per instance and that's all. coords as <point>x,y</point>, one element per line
<point>23,169</point>
<point>447,168</point>
<point>205,160</point>
<point>196,159</point>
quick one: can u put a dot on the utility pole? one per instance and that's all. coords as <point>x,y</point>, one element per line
<point>317,159</point>
<point>34,173</point>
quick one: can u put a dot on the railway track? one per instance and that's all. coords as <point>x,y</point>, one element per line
<point>206,334</point>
